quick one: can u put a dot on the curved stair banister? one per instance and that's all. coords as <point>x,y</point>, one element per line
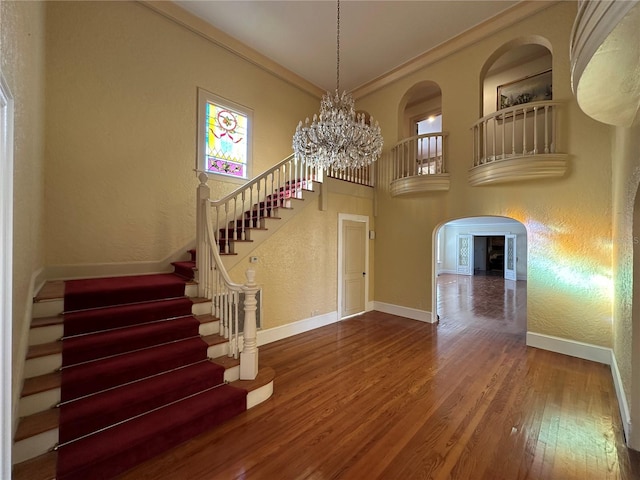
<point>221,223</point>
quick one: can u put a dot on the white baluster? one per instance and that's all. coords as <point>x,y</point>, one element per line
<point>546,129</point>
<point>503,152</point>
<point>524,132</point>
<point>484,145</point>
<point>513,133</point>
<point>535,130</point>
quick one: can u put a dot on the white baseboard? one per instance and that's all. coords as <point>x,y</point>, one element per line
<point>572,348</point>
<point>625,414</point>
<point>407,312</point>
<point>591,352</point>
<point>97,270</point>
<point>278,333</point>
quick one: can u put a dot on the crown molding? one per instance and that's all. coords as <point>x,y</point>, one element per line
<point>198,26</point>
<point>516,13</point>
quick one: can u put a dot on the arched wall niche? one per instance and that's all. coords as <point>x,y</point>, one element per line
<point>420,101</point>
<point>520,58</point>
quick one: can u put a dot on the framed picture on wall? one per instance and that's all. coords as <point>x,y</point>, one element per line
<point>534,88</point>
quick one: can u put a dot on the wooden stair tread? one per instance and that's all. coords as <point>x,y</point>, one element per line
<point>42,467</point>
<point>51,290</point>
<point>41,383</point>
<point>206,318</point>
<point>265,375</point>
<point>47,321</point>
<point>32,425</point>
<point>226,361</point>
<point>44,349</point>
<point>199,299</point>
<point>214,339</point>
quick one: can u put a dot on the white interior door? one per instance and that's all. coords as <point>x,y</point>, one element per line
<point>464,257</point>
<point>354,269</point>
<point>510,259</point>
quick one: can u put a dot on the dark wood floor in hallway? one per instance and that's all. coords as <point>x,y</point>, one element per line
<point>383,397</point>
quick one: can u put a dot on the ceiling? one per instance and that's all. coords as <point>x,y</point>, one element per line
<point>375,36</point>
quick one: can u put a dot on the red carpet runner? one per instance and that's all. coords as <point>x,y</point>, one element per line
<point>136,380</point>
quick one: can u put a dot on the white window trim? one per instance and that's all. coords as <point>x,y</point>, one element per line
<point>205,97</point>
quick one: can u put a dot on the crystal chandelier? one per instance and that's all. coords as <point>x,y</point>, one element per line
<point>338,138</point>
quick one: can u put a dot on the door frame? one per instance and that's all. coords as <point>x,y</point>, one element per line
<point>342,217</point>
<point>6,273</point>
<point>434,254</point>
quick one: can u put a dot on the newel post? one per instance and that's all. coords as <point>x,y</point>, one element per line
<point>203,195</point>
<point>249,355</point>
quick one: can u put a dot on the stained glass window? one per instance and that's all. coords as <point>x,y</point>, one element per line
<point>224,147</point>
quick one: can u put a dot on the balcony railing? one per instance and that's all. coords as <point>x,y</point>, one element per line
<point>528,129</point>
<point>420,155</point>
<point>418,164</point>
<point>517,143</point>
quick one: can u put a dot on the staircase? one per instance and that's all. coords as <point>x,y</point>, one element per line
<point>114,379</point>
<point>140,369</point>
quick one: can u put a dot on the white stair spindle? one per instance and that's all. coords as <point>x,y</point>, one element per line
<point>524,131</point>
<point>535,130</point>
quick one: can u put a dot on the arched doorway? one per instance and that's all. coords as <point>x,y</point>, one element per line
<point>480,272</point>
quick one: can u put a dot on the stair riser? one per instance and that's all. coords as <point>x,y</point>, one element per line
<point>209,328</point>
<point>34,446</point>
<point>51,308</point>
<point>39,402</point>
<point>42,365</point>
<point>259,395</point>
<point>43,442</point>
<point>191,290</point>
<point>42,401</point>
<point>202,308</point>
<point>219,350</point>
<point>46,334</point>
<point>52,333</point>
<point>232,374</point>
<point>51,363</point>
<point>48,308</point>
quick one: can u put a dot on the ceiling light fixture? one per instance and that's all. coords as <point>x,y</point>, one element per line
<point>338,137</point>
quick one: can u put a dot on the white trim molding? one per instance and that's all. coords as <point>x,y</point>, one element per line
<point>407,312</point>
<point>6,274</point>
<point>284,331</point>
<point>594,353</point>
<point>625,413</point>
<point>342,217</point>
<point>572,348</point>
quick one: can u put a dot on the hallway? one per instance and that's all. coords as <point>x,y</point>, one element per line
<point>482,301</point>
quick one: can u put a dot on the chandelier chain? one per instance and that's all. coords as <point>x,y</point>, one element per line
<point>338,50</point>
<point>338,137</point>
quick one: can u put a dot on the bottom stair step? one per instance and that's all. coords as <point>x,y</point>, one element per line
<point>121,447</point>
<point>98,411</point>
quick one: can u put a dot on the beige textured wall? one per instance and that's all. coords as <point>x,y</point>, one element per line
<point>625,243</point>
<point>298,265</point>
<point>568,220</point>
<point>22,65</point>
<point>121,95</point>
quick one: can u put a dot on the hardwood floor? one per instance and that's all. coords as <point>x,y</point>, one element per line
<point>383,397</point>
